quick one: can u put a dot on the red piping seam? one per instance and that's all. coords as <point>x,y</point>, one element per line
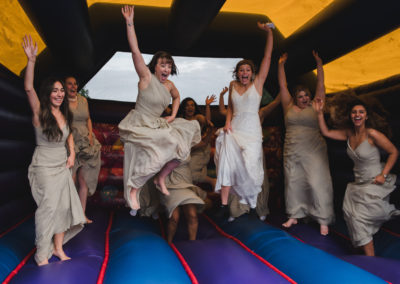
<point>390,232</point>
<point>19,266</point>
<point>249,250</point>
<point>16,225</point>
<point>180,257</point>
<point>102,273</point>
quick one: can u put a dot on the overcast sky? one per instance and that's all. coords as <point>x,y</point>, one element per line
<point>197,78</point>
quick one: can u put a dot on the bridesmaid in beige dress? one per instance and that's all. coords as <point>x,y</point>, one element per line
<point>185,195</point>
<point>366,202</point>
<point>153,145</point>
<point>308,185</point>
<point>59,215</point>
<point>87,149</point>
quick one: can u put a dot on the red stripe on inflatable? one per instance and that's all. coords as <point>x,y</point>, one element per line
<point>391,232</point>
<point>102,273</point>
<point>180,256</point>
<point>249,250</point>
<point>19,266</point>
<point>16,225</point>
<point>341,235</point>
<point>185,265</point>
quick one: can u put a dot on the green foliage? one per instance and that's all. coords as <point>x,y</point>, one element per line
<point>84,92</point>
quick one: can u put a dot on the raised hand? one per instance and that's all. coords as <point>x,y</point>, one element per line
<point>210,99</point>
<point>318,105</point>
<point>283,58</point>
<point>224,90</point>
<point>264,26</point>
<point>128,12</point>
<point>30,48</point>
<point>317,58</point>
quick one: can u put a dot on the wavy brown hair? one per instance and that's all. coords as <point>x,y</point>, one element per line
<point>244,62</point>
<point>47,120</point>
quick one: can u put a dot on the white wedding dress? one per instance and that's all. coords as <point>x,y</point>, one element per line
<point>238,154</point>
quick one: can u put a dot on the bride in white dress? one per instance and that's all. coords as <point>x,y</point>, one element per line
<point>239,153</point>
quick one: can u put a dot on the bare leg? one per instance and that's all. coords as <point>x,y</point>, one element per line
<point>159,180</point>
<point>290,222</point>
<point>324,230</point>
<point>225,194</point>
<point>172,225</point>
<point>369,249</point>
<point>58,246</point>
<point>134,195</point>
<point>192,220</point>
<point>83,193</point>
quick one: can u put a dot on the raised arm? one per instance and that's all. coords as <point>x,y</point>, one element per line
<point>320,89</point>
<point>384,143</point>
<point>318,105</point>
<point>286,98</point>
<point>221,105</point>
<point>266,61</point>
<point>209,101</point>
<point>138,61</point>
<point>266,110</point>
<point>30,50</point>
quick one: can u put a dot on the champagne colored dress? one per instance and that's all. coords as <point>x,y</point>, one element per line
<point>149,140</point>
<point>199,159</point>
<point>238,154</point>
<point>182,191</point>
<point>308,185</point>
<point>366,205</point>
<point>87,156</point>
<point>59,208</point>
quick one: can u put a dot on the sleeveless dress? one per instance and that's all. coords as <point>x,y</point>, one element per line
<point>149,140</point>
<point>87,156</point>
<point>238,154</point>
<point>308,185</point>
<point>59,208</point>
<point>366,205</point>
<point>182,191</point>
<point>199,159</point>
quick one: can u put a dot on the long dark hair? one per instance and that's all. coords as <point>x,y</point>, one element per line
<point>163,55</point>
<point>47,120</point>
<point>182,107</point>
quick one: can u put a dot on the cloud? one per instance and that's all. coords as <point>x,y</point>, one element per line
<point>197,78</point>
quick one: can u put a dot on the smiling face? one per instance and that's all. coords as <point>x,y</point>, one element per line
<point>162,69</point>
<point>71,87</point>
<point>57,95</point>
<point>302,99</point>
<point>358,115</point>
<point>245,74</point>
<point>190,109</point>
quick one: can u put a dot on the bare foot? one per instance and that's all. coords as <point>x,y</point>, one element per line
<point>324,230</point>
<point>134,194</point>
<point>160,185</point>
<point>44,262</point>
<point>61,254</point>
<point>289,223</point>
<point>88,221</point>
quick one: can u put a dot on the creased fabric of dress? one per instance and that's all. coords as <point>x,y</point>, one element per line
<point>87,156</point>
<point>308,185</point>
<point>182,191</point>
<point>199,159</point>
<point>238,154</point>
<point>366,205</point>
<point>149,140</point>
<point>59,208</point>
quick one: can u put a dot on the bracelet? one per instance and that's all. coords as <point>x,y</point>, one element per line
<point>130,24</point>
